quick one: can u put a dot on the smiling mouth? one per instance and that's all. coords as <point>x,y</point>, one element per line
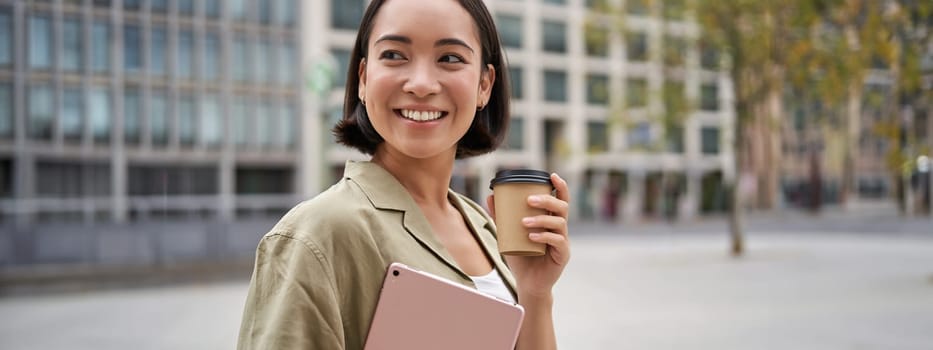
<point>420,116</point>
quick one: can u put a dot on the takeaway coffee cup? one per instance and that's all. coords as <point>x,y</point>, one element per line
<point>511,189</point>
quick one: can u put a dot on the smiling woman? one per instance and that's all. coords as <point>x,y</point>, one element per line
<point>474,52</point>
<point>426,84</point>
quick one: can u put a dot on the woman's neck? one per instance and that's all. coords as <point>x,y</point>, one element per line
<point>427,180</point>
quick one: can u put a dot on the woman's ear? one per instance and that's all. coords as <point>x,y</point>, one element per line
<point>361,88</point>
<point>487,80</point>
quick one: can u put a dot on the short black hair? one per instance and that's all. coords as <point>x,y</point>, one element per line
<point>490,124</point>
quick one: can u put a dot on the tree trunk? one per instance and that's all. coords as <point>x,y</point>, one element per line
<point>853,133</point>
<point>736,222</point>
<point>774,150</point>
<point>737,207</point>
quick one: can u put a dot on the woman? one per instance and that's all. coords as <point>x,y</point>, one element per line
<point>426,85</point>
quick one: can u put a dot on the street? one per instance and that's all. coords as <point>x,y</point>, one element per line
<point>651,286</point>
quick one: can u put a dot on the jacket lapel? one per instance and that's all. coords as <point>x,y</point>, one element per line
<point>386,193</point>
<point>483,230</point>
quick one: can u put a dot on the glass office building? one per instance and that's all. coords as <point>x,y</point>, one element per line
<point>134,110</point>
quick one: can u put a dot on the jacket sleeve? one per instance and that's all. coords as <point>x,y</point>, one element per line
<point>292,301</point>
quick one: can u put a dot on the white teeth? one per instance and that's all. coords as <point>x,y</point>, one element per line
<point>421,116</point>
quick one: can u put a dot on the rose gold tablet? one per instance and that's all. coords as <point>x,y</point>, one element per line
<point>418,310</point>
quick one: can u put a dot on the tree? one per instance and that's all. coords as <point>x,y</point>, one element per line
<point>852,38</point>
<point>762,40</point>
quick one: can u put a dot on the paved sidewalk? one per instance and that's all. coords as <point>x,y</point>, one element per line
<point>655,290</point>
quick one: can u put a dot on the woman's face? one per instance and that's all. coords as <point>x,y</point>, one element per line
<point>423,77</point>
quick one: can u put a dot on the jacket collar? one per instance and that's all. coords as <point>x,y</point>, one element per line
<point>385,192</point>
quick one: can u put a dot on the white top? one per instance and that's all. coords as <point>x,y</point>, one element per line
<point>493,285</point>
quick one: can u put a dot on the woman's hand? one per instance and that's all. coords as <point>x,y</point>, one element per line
<point>536,275</point>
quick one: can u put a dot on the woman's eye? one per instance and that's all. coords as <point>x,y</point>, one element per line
<point>451,59</point>
<point>391,55</point>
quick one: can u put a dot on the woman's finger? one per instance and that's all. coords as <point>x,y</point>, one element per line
<point>558,245</point>
<point>552,204</point>
<point>563,191</point>
<point>556,224</point>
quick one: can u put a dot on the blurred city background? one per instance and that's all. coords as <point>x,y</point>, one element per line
<point>745,174</point>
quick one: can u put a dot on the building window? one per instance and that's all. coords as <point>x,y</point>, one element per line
<point>265,10</point>
<point>72,119</point>
<point>709,97</point>
<point>636,93</point>
<point>675,51</point>
<point>265,125</point>
<point>597,137</point>
<point>290,12</point>
<point>239,10</point>
<point>674,9</point>
<point>132,115</point>
<point>263,180</point>
<point>639,136</point>
<point>510,28</point>
<point>241,59</point>
<point>40,42</point>
<point>185,59</point>
<point>597,89</point>
<point>342,57</point>
<point>600,5</point>
<point>72,179</point>
<point>6,36</point>
<point>100,116</point>
<point>102,3</point>
<point>155,180</point>
<point>516,80</point>
<point>6,110</point>
<point>264,59</point>
<point>285,67</point>
<point>709,56</point>
<point>132,4</point>
<point>100,47</point>
<point>158,119</point>
<point>212,56</point>
<point>674,139</point>
<point>555,86</point>
<point>242,125</point>
<point>289,125</point>
<point>187,121</point>
<point>6,178</point>
<point>160,6</point>
<point>675,101</point>
<point>157,51</point>
<point>72,57</point>
<point>212,8</point>
<point>287,62</point>
<point>211,125</point>
<point>185,7</point>
<point>132,48</point>
<point>596,39</point>
<point>636,45</point>
<point>41,112</point>
<point>638,7</point>
<point>555,37</point>
<point>516,137</point>
<point>709,139</point>
<point>346,14</point>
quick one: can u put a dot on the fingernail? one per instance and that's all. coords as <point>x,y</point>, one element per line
<point>535,199</point>
<point>528,221</point>
<point>534,235</point>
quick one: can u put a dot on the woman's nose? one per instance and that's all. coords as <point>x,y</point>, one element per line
<point>422,81</point>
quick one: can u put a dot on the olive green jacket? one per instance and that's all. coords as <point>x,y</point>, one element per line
<point>319,270</point>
